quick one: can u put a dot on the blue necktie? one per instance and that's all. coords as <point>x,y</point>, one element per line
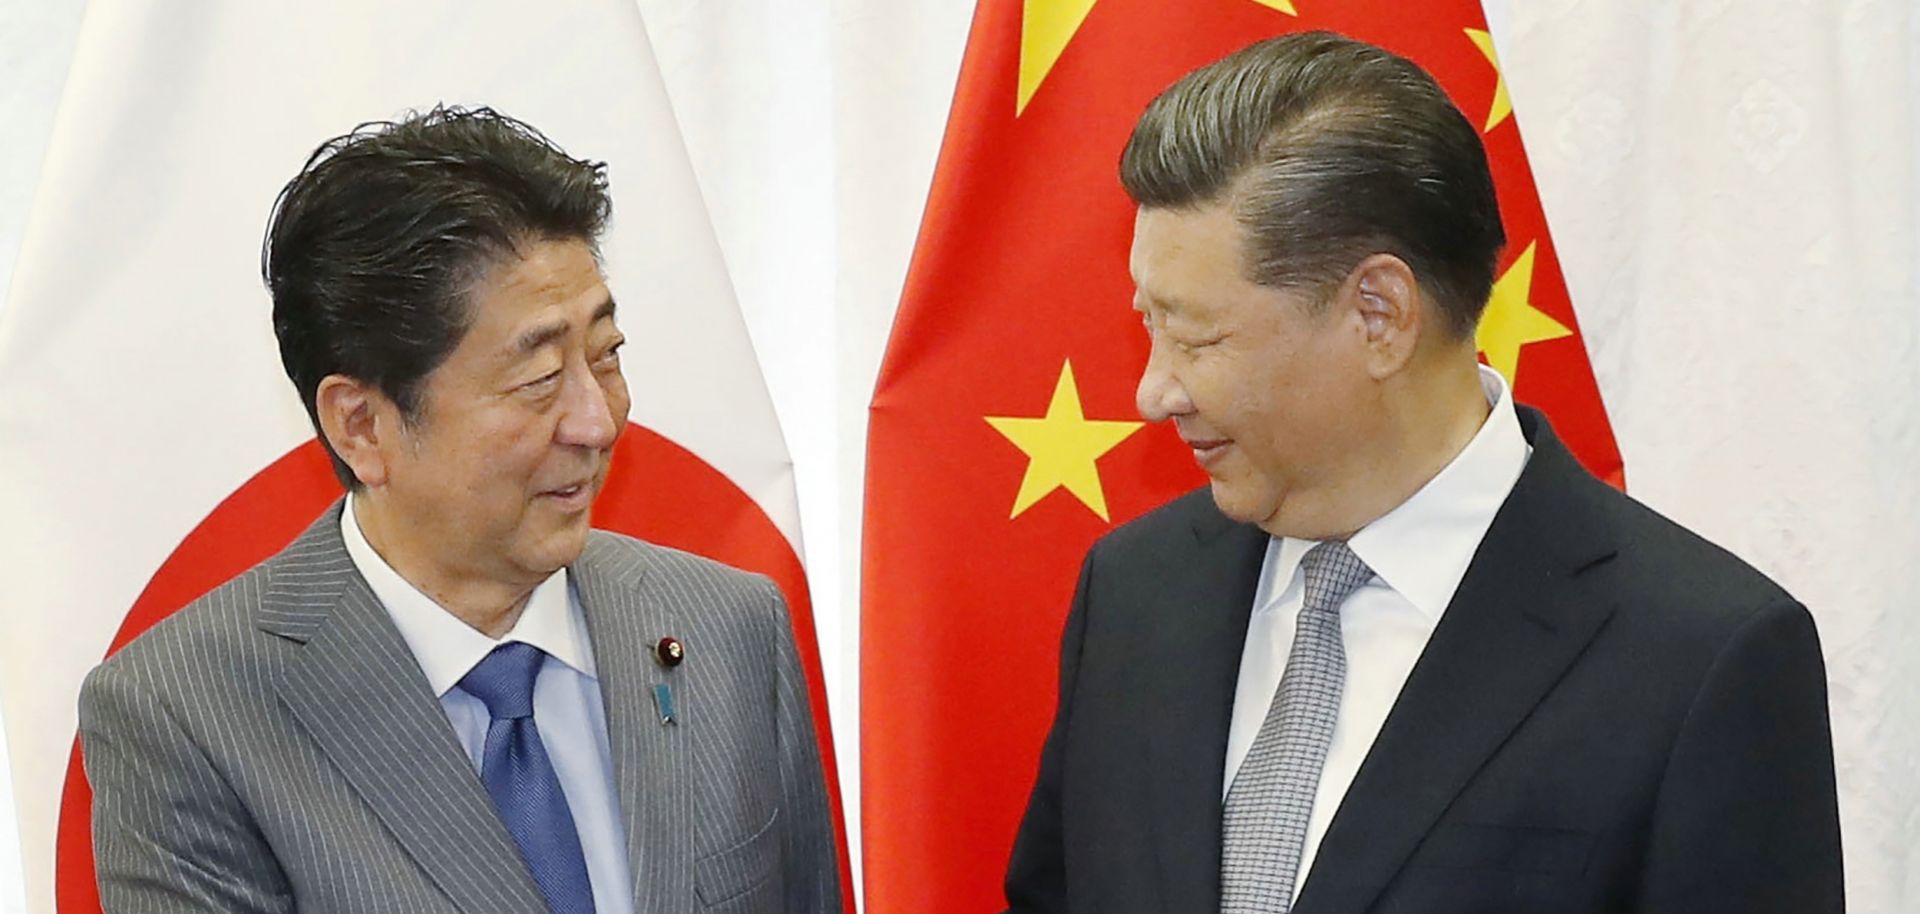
<point>520,778</point>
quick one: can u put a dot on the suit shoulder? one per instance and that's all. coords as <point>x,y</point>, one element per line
<point>714,600</point>
<point>1183,516</point>
<point>1673,589</point>
<point>619,554</point>
<point>1664,560</point>
<point>210,640</point>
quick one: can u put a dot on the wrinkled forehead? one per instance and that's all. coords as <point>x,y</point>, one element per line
<point>1178,250</point>
<point>537,294</point>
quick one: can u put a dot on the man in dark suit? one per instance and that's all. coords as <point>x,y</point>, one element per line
<point>1406,655</point>
<point>450,694</point>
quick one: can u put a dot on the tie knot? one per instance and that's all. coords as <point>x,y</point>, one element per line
<point>1333,572</point>
<point>503,680</point>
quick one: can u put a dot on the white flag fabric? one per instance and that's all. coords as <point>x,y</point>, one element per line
<point>140,385</point>
<point>1736,192</point>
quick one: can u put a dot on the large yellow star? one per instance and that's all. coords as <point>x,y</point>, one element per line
<point>1502,103</point>
<point>1062,447</point>
<point>1511,321</point>
<point>1048,26</point>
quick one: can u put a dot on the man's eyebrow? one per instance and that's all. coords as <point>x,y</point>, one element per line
<point>539,335</point>
<point>542,334</point>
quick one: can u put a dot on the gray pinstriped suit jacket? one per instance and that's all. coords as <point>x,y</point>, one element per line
<point>274,747</point>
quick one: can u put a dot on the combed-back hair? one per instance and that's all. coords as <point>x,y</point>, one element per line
<point>373,247</point>
<point>1329,150</point>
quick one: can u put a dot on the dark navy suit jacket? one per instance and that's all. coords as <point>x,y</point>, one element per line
<point>1612,715</point>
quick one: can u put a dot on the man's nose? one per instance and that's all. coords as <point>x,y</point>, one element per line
<point>587,419</point>
<point>1160,394</point>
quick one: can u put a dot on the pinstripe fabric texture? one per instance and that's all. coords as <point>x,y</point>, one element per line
<point>1264,827</point>
<point>275,747</point>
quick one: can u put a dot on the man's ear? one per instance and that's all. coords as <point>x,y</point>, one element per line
<point>1383,291</point>
<point>361,424</point>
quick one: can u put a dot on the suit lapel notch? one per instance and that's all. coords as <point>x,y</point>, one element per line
<point>305,580</point>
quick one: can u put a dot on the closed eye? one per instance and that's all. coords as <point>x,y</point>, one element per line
<point>542,381</point>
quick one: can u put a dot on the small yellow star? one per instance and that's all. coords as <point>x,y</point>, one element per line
<point>1511,321</point>
<point>1062,447</point>
<point>1046,27</point>
<point>1502,103</point>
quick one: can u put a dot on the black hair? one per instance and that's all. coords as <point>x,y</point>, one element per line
<point>372,248</point>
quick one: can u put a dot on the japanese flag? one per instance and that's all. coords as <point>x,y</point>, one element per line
<point>151,446</point>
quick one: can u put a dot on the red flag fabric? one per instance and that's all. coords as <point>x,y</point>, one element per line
<point>1003,436</point>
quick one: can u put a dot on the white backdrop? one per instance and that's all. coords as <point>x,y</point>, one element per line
<point>1734,189</point>
<point>36,40</point>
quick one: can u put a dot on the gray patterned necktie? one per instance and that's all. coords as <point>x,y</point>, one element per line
<point>1265,826</point>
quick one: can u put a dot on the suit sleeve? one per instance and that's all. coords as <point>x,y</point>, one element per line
<point>810,851</point>
<point>1746,820</point>
<point>169,835</point>
<point>1036,880</point>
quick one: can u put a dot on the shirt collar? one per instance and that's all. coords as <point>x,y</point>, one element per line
<point>447,648</point>
<point>1422,548</point>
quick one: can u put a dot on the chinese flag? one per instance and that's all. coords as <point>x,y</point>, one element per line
<point>1004,438</point>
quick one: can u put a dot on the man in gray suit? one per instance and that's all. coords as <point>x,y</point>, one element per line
<point>450,694</point>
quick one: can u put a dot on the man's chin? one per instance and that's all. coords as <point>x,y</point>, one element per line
<point>561,546</point>
<point>1238,504</point>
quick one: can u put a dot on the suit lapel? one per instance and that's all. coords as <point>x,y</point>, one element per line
<point>1197,632</point>
<point>627,613</point>
<point>1519,618</point>
<point>359,693</point>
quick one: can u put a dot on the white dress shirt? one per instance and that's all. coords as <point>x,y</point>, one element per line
<point>567,705</point>
<point>1419,551</point>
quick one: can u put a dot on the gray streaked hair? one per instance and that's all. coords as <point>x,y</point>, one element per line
<point>1329,150</point>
